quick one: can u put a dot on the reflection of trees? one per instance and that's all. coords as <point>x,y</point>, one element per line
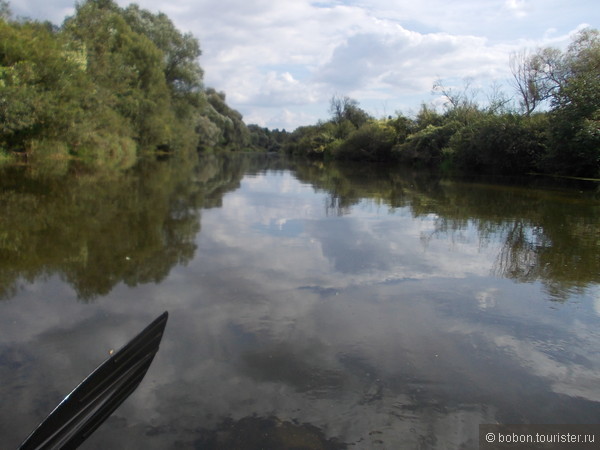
<point>546,235</point>
<point>564,255</point>
<point>518,257</point>
<point>346,184</point>
<point>98,230</point>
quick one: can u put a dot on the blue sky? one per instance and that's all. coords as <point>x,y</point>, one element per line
<point>279,62</point>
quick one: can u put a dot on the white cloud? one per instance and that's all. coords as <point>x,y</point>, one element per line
<point>517,7</point>
<point>402,61</point>
<point>570,378</point>
<point>487,298</point>
<point>595,294</point>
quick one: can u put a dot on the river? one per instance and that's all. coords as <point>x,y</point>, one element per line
<point>311,305</point>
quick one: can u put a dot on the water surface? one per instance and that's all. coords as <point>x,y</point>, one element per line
<point>311,305</point>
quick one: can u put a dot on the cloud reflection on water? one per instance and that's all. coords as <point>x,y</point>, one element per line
<point>354,324</point>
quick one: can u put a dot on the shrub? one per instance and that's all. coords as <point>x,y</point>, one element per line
<point>425,147</point>
<point>501,144</point>
<point>373,141</point>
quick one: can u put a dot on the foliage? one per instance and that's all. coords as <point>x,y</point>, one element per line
<point>425,147</point>
<point>313,141</point>
<point>570,80</point>
<point>346,109</point>
<point>403,127</point>
<point>494,139</point>
<point>108,83</point>
<point>498,143</point>
<point>575,119</point>
<point>179,51</point>
<point>428,116</point>
<point>42,86</point>
<point>113,81</point>
<point>373,141</point>
<point>324,140</point>
<point>234,132</point>
<point>528,80</point>
<point>268,140</point>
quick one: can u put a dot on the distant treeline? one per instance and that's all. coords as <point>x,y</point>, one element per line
<point>563,139</point>
<point>105,85</point>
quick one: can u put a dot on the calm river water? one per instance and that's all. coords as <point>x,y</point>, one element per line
<point>311,306</point>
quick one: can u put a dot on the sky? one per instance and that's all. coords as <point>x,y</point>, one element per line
<point>280,62</point>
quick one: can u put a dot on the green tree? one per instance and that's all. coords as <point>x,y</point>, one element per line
<point>426,146</point>
<point>234,133</point>
<point>372,141</point>
<point>313,141</point>
<point>42,84</point>
<point>505,143</point>
<point>180,52</point>
<point>108,83</point>
<point>262,138</point>
<point>427,115</point>
<point>571,81</point>
<point>347,109</point>
<point>127,68</point>
<point>575,124</point>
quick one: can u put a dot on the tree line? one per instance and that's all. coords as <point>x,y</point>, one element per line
<point>564,138</point>
<point>105,85</point>
<point>111,82</point>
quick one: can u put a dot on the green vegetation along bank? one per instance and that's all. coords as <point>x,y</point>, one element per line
<point>107,84</point>
<point>112,82</point>
<point>563,139</point>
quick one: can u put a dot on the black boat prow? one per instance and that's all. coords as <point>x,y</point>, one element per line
<point>96,397</point>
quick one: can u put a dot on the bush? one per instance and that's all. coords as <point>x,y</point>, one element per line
<point>425,147</point>
<point>501,144</point>
<point>373,141</point>
<point>5,157</point>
